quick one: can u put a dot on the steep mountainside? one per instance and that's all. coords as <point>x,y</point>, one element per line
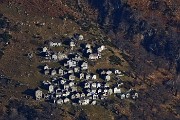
<point>146,32</point>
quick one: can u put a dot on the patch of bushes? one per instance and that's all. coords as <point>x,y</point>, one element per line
<point>5,37</point>
<point>115,60</point>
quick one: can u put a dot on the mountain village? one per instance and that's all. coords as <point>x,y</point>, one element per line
<point>73,81</point>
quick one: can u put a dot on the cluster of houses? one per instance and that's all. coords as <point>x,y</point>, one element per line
<point>72,81</point>
<point>92,53</point>
<point>83,93</point>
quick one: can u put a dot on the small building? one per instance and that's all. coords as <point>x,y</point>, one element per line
<point>88,46</point>
<point>53,72</point>
<point>46,67</point>
<point>94,102</point>
<point>71,84</point>
<point>44,49</point>
<point>77,57</point>
<point>61,56</point>
<point>72,44</point>
<point>81,75</point>
<point>110,91</point>
<point>128,95</point>
<point>78,36</point>
<point>106,85</point>
<point>54,44</point>
<point>71,63</point>
<point>73,96</point>
<point>46,72</point>
<point>83,94</point>
<point>94,77</point>
<point>59,101</point>
<point>135,96</point>
<point>38,94</point>
<point>86,85</point>
<point>73,89</point>
<point>95,96</point>
<point>117,72</point>
<point>99,90</point>
<point>93,90</point>
<point>101,48</point>
<point>98,85</point>
<point>51,88</point>
<point>88,76</point>
<point>81,37</point>
<point>84,65</point>
<point>107,77</point>
<point>71,77</point>
<point>62,82</point>
<point>58,91</point>
<point>88,51</point>
<point>70,71</point>
<point>76,69</point>
<point>117,90</point>
<point>66,86</point>
<point>66,100</point>
<point>109,72</point>
<point>54,57</point>
<point>93,85</point>
<point>78,95</point>
<point>94,56</point>
<point>123,96</point>
<point>84,101</point>
<point>60,71</point>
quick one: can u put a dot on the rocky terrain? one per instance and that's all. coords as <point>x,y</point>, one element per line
<point>146,32</point>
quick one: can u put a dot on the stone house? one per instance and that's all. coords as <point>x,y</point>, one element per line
<point>71,84</point>
<point>70,71</point>
<point>88,76</point>
<point>123,96</point>
<point>46,67</point>
<point>66,100</point>
<point>72,77</point>
<point>88,46</point>
<point>93,102</point>
<point>76,69</point>
<point>110,91</point>
<point>60,71</point>
<point>87,85</point>
<point>38,94</point>
<point>44,49</point>
<point>62,82</point>
<point>54,57</point>
<point>59,101</point>
<point>117,90</point>
<point>61,56</point>
<point>84,101</point>
<point>98,85</point>
<point>94,77</point>
<point>54,44</point>
<point>46,72</point>
<point>53,72</point>
<point>93,85</point>
<point>72,44</point>
<point>51,88</point>
<point>107,77</point>
<point>128,95</point>
<point>84,65</point>
<point>88,51</point>
<point>93,56</point>
<point>81,75</point>
<point>116,71</point>
<point>95,96</point>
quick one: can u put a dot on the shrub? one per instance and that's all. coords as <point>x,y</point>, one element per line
<point>115,60</point>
